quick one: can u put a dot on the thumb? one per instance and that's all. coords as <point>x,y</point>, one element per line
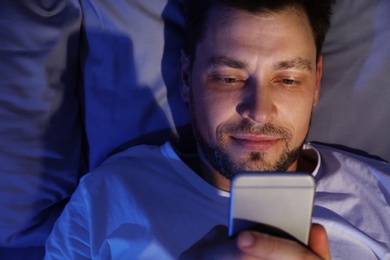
<point>318,241</point>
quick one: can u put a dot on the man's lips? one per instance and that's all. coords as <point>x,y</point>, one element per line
<point>255,142</point>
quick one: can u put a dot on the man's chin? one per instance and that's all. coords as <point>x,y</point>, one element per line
<point>258,158</point>
<point>253,162</point>
<point>270,161</point>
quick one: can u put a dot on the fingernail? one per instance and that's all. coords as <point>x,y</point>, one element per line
<point>246,239</point>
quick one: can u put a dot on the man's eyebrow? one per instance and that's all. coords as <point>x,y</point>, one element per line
<point>223,61</point>
<point>298,63</point>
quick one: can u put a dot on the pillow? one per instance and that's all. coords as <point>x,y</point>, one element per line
<point>355,91</point>
<point>130,65</point>
<point>130,53</point>
<point>120,72</point>
<point>40,130</point>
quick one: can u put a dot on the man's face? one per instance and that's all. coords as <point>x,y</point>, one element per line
<point>251,90</point>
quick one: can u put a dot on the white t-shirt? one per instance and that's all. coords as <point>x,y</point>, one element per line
<point>145,203</point>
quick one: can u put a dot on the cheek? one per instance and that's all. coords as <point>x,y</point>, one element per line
<point>298,116</point>
<point>210,111</point>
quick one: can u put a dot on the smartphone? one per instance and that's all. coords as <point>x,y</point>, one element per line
<point>279,204</point>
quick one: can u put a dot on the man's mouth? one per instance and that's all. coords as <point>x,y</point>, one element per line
<point>254,142</point>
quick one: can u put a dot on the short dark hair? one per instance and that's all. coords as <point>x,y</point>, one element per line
<point>197,14</point>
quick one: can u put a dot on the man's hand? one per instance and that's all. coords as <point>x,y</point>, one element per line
<point>254,245</point>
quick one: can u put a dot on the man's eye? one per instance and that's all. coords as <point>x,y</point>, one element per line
<point>288,81</point>
<point>227,81</point>
<point>230,80</point>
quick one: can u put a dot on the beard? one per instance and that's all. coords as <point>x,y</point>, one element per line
<point>218,157</point>
<point>220,160</point>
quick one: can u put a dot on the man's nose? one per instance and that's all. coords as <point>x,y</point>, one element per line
<point>258,103</point>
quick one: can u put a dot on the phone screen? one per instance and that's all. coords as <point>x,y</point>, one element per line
<point>279,204</point>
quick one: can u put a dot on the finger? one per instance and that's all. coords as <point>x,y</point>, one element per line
<point>263,246</point>
<point>318,241</point>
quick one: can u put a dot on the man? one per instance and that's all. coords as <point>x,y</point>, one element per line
<point>250,73</point>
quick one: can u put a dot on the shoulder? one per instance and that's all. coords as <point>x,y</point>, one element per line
<point>360,182</point>
<point>350,175</point>
<point>140,154</point>
<point>124,171</point>
<point>352,197</point>
<point>336,159</point>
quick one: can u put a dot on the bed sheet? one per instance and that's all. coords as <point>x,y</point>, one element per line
<point>83,79</point>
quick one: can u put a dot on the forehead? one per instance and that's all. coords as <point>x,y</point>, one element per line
<point>221,16</point>
<point>231,29</point>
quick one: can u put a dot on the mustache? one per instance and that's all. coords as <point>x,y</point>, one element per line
<point>247,127</point>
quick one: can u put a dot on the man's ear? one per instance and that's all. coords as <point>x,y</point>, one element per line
<point>318,81</point>
<point>184,72</point>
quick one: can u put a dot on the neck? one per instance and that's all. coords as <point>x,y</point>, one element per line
<point>213,177</point>
<point>306,162</point>
<point>204,170</point>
